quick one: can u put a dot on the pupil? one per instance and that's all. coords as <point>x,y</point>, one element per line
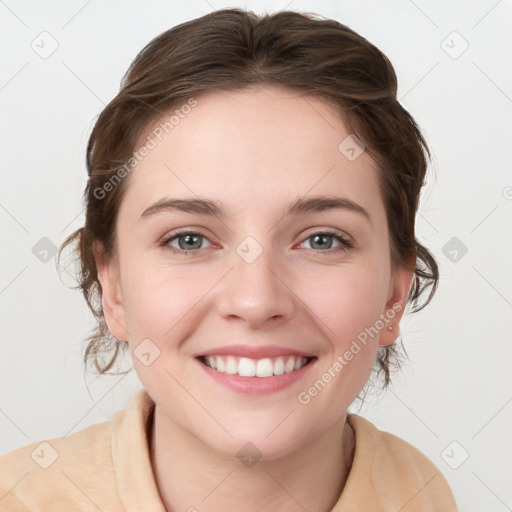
<point>188,238</point>
<point>317,237</point>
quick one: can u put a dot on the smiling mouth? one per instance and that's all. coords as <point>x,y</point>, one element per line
<point>246,367</point>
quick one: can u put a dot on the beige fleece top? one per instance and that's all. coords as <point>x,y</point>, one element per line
<point>107,467</point>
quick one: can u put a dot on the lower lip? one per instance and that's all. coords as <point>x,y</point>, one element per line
<point>257,385</point>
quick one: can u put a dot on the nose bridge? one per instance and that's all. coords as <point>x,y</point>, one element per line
<point>255,291</point>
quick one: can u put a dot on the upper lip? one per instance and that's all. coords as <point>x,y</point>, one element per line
<point>254,352</point>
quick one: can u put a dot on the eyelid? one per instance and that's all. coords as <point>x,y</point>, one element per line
<point>328,231</point>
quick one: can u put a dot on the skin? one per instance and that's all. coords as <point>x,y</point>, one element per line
<point>254,151</point>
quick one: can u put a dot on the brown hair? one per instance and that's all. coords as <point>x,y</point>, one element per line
<point>233,49</point>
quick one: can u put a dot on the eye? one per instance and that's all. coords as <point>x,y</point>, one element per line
<point>322,241</point>
<point>188,241</point>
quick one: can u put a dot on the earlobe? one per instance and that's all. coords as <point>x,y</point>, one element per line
<point>395,306</point>
<point>111,296</point>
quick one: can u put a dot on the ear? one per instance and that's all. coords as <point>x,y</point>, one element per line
<point>395,305</point>
<point>112,299</point>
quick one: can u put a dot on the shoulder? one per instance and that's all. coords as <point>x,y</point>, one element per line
<point>400,475</point>
<point>72,471</point>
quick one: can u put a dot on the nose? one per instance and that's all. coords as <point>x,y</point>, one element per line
<point>256,292</point>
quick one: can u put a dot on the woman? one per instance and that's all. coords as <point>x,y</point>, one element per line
<point>249,238</point>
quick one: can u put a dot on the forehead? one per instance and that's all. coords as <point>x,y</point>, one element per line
<point>264,144</point>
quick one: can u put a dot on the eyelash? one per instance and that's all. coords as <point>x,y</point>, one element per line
<point>346,243</point>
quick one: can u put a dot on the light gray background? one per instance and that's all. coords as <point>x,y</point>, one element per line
<point>457,385</point>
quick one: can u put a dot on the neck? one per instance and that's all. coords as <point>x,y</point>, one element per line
<point>190,476</point>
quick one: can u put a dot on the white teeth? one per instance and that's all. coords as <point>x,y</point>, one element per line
<point>246,367</point>
<point>221,367</point>
<point>290,365</point>
<point>231,366</point>
<point>279,366</point>
<point>264,368</point>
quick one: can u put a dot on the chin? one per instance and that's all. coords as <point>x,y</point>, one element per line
<point>266,438</point>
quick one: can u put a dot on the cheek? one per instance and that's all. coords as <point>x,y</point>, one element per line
<point>156,301</point>
<point>347,300</point>
<point>349,307</point>
<point>167,303</point>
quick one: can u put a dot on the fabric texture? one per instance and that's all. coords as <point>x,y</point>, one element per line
<point>107,467</point>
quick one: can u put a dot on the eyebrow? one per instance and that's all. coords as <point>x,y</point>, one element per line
<point>301,206</point>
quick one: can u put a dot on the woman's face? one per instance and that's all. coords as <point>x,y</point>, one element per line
<point>255,287</point>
